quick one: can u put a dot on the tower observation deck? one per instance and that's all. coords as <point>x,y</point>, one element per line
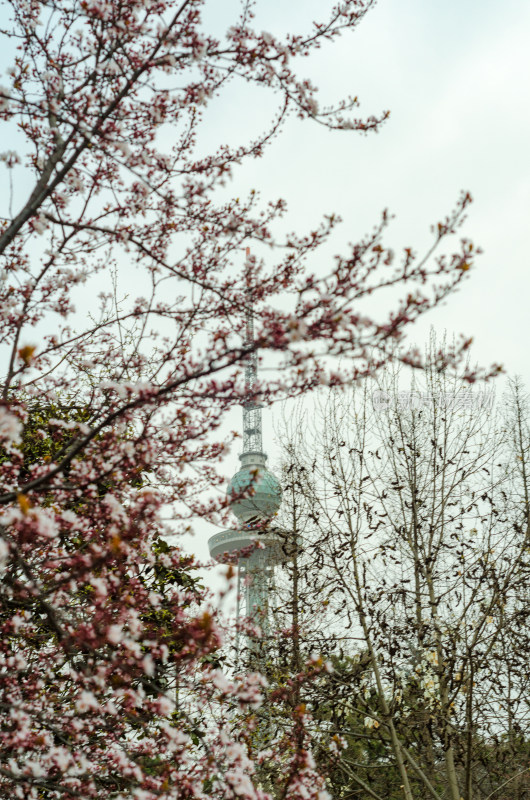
<point>255,496</point>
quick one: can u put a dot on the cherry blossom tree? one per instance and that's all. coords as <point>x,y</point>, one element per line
<point>112,398</point>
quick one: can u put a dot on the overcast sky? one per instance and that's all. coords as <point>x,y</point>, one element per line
<point>455,76</point>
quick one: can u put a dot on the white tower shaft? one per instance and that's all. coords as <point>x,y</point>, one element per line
<point>252,428</point>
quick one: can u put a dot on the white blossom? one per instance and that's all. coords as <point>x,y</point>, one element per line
<point>10,427</point>
<point>115,634</point>
<point>4,98</point>
<point>4,552</point>
<point>86,701</point>
<point>40,224</point>
<point>148,665</point>
<point>99,586</point>
<point>45,524</point>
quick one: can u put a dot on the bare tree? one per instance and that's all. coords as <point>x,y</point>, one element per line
<point>411,510</point>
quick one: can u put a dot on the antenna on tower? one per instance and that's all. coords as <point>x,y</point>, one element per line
<point>252,426</point>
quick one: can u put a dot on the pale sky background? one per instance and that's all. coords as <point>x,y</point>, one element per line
<point>456,77</point>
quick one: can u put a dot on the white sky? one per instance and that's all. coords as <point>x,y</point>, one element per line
<point>456,78</point>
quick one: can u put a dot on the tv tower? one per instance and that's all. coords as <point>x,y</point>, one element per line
<point>255,495</point>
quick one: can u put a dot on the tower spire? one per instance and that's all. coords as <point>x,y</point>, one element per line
<point>263,503</point>
<point>252,426</point>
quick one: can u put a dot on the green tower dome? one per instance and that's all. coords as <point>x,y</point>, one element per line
<point>265,493</point>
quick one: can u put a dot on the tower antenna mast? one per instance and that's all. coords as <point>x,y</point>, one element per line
<point>252,423</point>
